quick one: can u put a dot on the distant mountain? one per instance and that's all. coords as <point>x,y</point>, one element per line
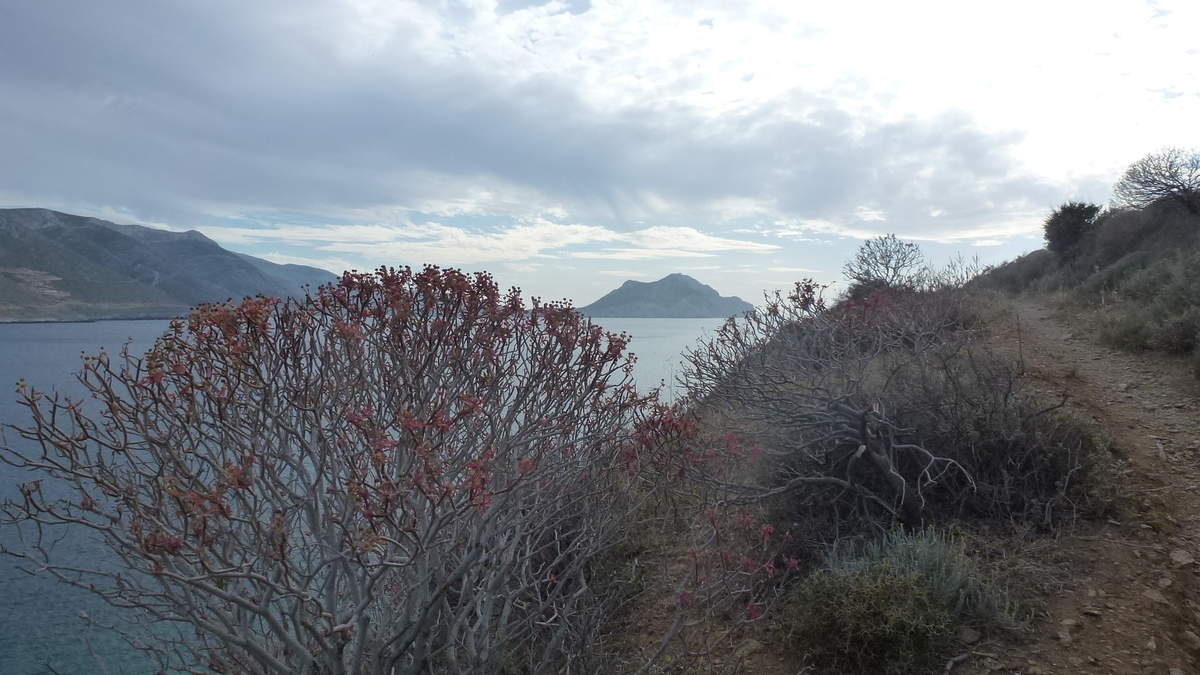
<point>675,296</point>
<point>60,267</point>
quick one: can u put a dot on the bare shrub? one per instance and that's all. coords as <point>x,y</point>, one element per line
<point>884,411</point>
<point>406,472</point>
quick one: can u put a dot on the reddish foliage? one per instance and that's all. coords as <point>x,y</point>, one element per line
<point>421,432</point>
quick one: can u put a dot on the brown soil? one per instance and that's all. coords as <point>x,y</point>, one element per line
<point>1133,605</point>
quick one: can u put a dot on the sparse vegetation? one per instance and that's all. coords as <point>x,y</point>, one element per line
<point>1133,271</point>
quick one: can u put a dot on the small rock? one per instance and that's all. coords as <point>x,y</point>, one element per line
<point>968,636</point>
<point>1165,582</point>
<point>1181,557</point>
<point>1091,611</point>
<point>1076,661</point>
<point>1152,645</point>
<point>748,647</point>
<point>1064,637</point>
<point>1176,671</point>
<point>1069,623</point>
<point>1192,639</point>
<point>1155,595</point>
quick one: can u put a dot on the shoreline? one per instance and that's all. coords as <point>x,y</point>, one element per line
<point>5,322</point>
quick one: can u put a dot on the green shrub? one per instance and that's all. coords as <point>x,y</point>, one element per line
<point>1067,225</point>
<point>1176,334</point>
<point>895,608</point>
<point>1128,329</point>
<point>1147,284</point>
<point>1157,304</point>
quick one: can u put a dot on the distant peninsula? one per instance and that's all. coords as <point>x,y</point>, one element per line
<point>60,267</point>
<point>675,296</point>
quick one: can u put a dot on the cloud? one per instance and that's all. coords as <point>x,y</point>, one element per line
<point>515,131</point>
<point>689,238</point>
<point>640,254</point>
<point>537,112</point>
<point>627,274</point>
<point>334,265</point>
<point>434,242</point>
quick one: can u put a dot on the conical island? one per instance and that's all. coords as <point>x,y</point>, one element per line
<point>675,296</point>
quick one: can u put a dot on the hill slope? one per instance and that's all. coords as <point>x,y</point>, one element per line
<point>675,296</point>
<point>60,267</point>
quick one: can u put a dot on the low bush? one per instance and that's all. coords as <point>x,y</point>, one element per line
<point>1156,305</point>
<point>1102,283</point>
<point>1021,274</point>
<point>895,607</point>
<point>1126,328</point>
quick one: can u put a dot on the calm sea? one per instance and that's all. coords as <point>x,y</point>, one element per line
<point>40,627</point>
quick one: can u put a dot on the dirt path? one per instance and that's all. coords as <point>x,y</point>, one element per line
<point>1134,606</point>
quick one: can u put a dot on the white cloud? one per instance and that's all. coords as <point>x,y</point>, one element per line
<point>800,270</point>
<point>335,265</point>
<point>691,239</point>
<point>869,214</point>
<point>433,242</point>
<point>627,274</point>
<point>639,254</point>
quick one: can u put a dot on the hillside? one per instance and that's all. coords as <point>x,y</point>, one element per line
<point>675,296</point>
<point>61,267</point>
<point>1130,276</point>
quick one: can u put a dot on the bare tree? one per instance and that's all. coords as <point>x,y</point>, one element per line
<point>404,473</point>
<point>1171,174</point>
<point>885,262</point>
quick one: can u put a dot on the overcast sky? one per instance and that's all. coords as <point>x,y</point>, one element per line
<point>570,145</point>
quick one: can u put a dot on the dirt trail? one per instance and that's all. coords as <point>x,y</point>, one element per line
<point>1134,606</point>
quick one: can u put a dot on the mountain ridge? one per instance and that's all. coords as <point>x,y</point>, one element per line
<point>57,266</point>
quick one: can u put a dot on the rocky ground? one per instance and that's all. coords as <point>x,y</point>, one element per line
<point>1133,604</point>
